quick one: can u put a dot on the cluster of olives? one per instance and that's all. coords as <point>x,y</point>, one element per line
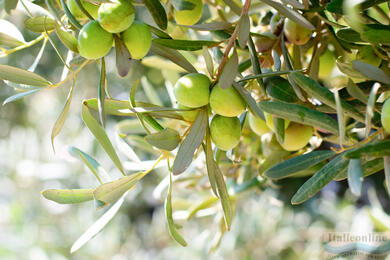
<point>193,91</point>
<point>115,17</point>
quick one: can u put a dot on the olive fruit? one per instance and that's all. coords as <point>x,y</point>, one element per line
<point>327,64</point>
<point>189,116</point>
<point>138,39</point>
<point>93,41</point>
<point>226,102</point>
<point>192,90</point>
<point>189,17</point>
<point>257,125</point>
<point>270,122</point>
<point>295,33</point>
<point>225,132</point>
<point>116,16</point>
<point>385,116</point>
<point>368,55</point>
<point>78,14</point>
<point>297,136</point>
<point>265,42</point>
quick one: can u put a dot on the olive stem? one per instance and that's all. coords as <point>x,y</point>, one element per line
<point>232,39</point>
<point>5,53</point>
<point>73,74</point>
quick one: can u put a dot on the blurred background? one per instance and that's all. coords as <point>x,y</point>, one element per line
<point>265,225</point>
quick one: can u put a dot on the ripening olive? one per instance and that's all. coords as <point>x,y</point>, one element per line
<point>78,14</point>
<point>189,116</point>
<point>295,33</point>
<point>257,125</point>
<point>116,16</point>
<point>93,41</point>
<point>192,90</point>
<point>270,122</point>
<point>225,132</point>
<point>297,136</point>
<point>138,39</point>
<point>189,17</point>
<point>226,102</point>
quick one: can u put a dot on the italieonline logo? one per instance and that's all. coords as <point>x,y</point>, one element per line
<point>344,244</point>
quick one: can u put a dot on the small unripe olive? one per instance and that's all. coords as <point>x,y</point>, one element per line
<point>116,16</point>
<point>225,132</point>
<point>78,14</point>
<point>192,90</point>
<point>226,102</point>
<point>93,41</point>
<point>189,17</point>
<point>189,116</point>
<point>257,125</point>
<point>265,42</point>
<point>295,33</point>
<point>368,55</point>
<point>270,122</point>
<point>297,136</point>
<point>385,116</point>
<point>138,39</point>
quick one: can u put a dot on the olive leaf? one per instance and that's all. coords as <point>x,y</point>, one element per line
<point>182,5</point>
<point>68,196</point>
<point>355,176</point>
<point>123,59</point>
<point>356,92</point>
<point>66,38</point>
<point>213,26</point>
<point>229,71</point>
<point>158,13</point>
<point>370,71</point>
<point>253,107</point>
<point>244,30</point>
<point>168,139</point>
<point>290,167</point>
<point>10,36</point>
<point>186,45</point>
<point>255,63</point>
<point>377,149</point>
<point>20,96</point>
<point>40,24</point>
<point>369,167</point>
<point>21,76</point>
<point>386,162</point>
<point>190,143</point>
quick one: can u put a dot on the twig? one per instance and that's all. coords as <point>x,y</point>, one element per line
<point>244,11</point>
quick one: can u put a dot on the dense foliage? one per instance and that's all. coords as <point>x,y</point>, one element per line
<point>244,93</point>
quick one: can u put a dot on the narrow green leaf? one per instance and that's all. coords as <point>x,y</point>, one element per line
<point>83,10</point>
<point>386,162</point>
<point>340,117</point>
<point>369,167</point>
<point>255,63</point>
<point>268,74</point>
<point>97,170</point>
<point>279,128</point>
<point>182,5</point>
<point>8,41</point>
<point>300,114</point>
<point>210,163</point>
<point>190,143</point>
<point>54,45</point>
<point>349,35</point>
<point>205,204</point>
<point>62,117</point>
<point>20,95</point>
<point>377,149</point>
<point>159,33</point>
<point>280,89</point>
<point>290,13</point>
<point>208,60</point>
<point>100,135</point>
<point>319,180</point>
<point>37,24</point>
<point>21,76</point>
<point>356,92</point>
<point>213,26</point>
<point>158,13</point>
<point>347,68</point>
<point>290,167</point>
<point>10,5</point>
<point>229,71</point>
<point>371,72</point>
<point>70,16</point>
<point>294,3</point>
<point>123,59</point>
<point>376,33</point>
<point>370,108</point>
<point>244,30</point>
<point>186,45</point>
<point>66,38</point>
<point>10,36</point>
<point>314,89</point>
<point>68,196</point>
<point>253,107</point>
<point>168,213</point>
<point>172,55</point>
<point>102,93</point>
<point>168,139</point>
<point>97,226</point>
<point>110,192</point>
<point>355,176</point>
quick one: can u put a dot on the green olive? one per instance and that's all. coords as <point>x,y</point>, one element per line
<point>189,17</point>
<point>116,16</point>
<point>138,39</point>
<point>270,122</point>
<point>192,90</point>
<point>93,41</point>
<point>226,102</point>
<point>189,116</point>
<point>225,132</point>
<point>297,136</point>
<point>385,116</point>
<point>78,14</point>
<point>295,33</point>
<point>257,125</point>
